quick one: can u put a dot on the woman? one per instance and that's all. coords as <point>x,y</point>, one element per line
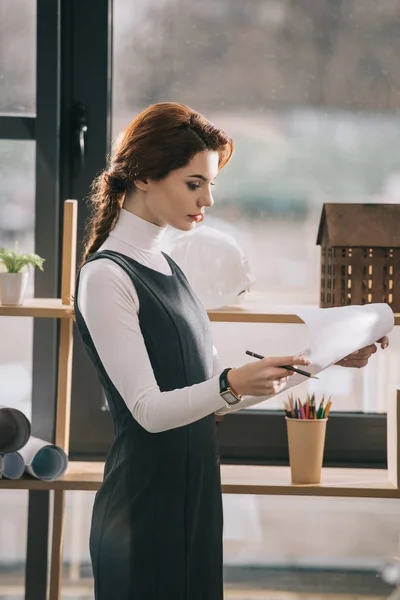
<point>157,518</point>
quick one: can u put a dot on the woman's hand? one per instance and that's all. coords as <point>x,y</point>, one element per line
<point>263,377</point>
<point>360,358</point>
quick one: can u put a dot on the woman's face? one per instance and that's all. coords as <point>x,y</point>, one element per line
<point>180,198</point>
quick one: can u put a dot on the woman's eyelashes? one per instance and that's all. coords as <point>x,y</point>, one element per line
<point>195,185</point>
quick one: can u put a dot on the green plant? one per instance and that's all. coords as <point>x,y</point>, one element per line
<point>14,261</point>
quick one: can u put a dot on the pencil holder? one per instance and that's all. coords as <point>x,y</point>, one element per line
<point>306,441</point>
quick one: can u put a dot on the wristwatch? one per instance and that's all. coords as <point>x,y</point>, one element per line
<point>225,391</point>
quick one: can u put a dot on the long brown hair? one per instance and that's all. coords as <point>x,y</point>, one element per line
<point>160,139</point>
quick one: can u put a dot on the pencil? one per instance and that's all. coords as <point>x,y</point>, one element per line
<point>295,369</point>
<point>327,409</point>
<point>296,409</point>
<point>320,412</point>
<point>301,409</point>
<point>291,406</point>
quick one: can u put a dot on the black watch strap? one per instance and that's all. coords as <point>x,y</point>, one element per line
<point>223,380</point>
<point>225,391</point>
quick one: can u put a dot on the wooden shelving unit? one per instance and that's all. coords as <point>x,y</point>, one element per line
<point>254,311</point>
<point>357,483</point>
<point>59,308</point>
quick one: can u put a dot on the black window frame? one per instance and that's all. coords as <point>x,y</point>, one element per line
<point>44,130</point>
<point>57,46</point>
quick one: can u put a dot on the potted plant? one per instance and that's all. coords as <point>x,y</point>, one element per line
<point>14,274</point>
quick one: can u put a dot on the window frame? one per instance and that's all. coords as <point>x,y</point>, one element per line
<point>17,127</point>
<point>61,38</point>
<point>44,130</point>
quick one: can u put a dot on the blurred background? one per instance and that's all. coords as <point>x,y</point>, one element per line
<point>310,92</point>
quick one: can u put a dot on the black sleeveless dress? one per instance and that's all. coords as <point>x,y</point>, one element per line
<point>156,529</point>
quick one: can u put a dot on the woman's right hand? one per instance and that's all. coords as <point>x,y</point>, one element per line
<point>263,377</point>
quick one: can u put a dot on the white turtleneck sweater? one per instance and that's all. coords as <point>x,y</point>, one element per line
<point>109,304</point>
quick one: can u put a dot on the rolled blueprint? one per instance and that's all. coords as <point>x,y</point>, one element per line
<point>15,429</point>
<point>44,460</point>
<point>14,465</point>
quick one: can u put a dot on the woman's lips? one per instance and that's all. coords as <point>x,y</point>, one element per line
<point>198,218</point>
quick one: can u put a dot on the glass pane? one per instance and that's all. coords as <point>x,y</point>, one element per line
<point>13,528</point>
<point>274,545</point>
<point>17,222</point>
<point>18,56</point>
<point>284,543</point>
<point>78,577</point>
<point>309,92</point>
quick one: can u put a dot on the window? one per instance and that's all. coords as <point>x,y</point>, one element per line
<point>17,64</point>
<point>314,120</point>
<point>274,543</point>
<point>304,134</point>
<point>17,223</point>
<point>301,139</point>
<point>29,200</point>
<point>17,210</point>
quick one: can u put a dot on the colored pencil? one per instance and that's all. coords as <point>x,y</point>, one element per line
<point>296,409</point>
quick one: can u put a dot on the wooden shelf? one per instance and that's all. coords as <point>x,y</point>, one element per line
<point>350,483</point>
<point>258,312</point>
<point>248,312</point>
<point>251,314</point>
<point>243,479</point>
<point>39,307</point>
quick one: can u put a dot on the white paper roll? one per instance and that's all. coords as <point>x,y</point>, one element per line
<point>14,465</point>
<point>44,460</point>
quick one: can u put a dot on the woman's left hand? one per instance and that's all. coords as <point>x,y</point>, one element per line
<point>360,358</point>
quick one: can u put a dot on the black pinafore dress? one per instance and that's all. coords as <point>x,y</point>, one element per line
<point>156,530</point>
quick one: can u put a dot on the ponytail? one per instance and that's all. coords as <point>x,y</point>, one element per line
<point>108,192</point>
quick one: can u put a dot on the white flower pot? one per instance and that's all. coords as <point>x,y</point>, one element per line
<point>12,288</point>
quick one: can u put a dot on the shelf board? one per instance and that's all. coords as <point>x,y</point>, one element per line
<point>260,312</point>
<point>39,307</point>
<point>248,312</point>
<point>252,314</point>
<point>350,483</point>
<point>243,479</point>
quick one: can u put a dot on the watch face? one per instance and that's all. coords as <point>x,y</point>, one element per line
<point>230,398</point>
